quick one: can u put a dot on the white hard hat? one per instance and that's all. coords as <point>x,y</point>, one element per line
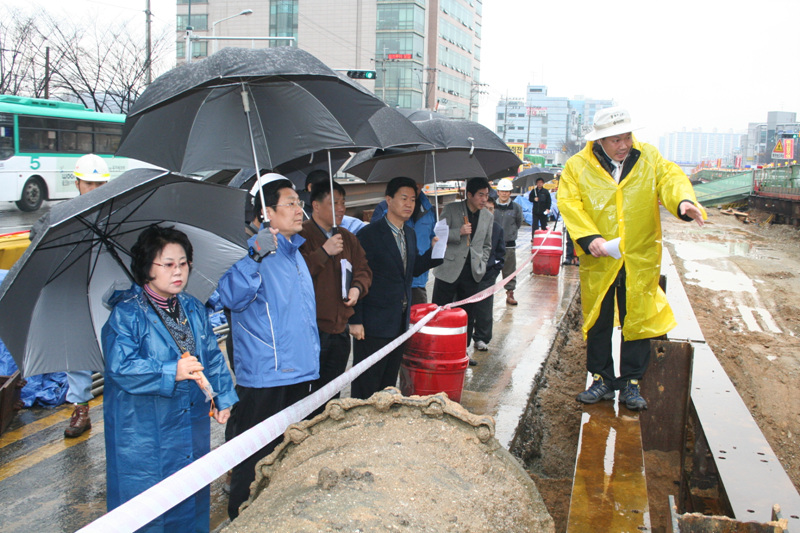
<point>611,121</point>
<point>505,184</point>
<point>265,179</point>
<point>91,167</point>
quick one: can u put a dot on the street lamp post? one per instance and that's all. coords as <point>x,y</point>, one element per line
<point>214,24</point>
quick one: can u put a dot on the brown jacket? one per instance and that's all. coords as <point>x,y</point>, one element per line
<point>326,272</point>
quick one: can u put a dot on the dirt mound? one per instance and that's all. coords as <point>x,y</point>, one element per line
<point>393,463</point>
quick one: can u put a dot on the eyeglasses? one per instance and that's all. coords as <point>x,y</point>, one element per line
<point>183,265</point>
<point>293,204</point>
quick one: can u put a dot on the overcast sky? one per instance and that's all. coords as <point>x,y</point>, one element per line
<point>678,64</point>
<point>709,64</point>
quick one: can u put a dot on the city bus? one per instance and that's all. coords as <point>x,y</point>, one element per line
<point>40,141</point>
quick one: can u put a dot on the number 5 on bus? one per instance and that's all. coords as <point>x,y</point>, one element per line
<point>40,141</point>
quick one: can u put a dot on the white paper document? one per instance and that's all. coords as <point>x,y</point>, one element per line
<point>442,231</point>
<point>612,247</point>
<point>347,278</point>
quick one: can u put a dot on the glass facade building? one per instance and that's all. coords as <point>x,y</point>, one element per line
<point>426,53</point>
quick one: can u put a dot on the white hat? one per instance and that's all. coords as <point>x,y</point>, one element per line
<point>611,121</point>
<point>265,179</point>
<point>91,167</point>
<point>505,184</point>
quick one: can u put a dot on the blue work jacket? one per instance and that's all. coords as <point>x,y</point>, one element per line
<point>273,317</point>
<point>154,426</point>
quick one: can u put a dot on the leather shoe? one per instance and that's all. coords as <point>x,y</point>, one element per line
<point>472,362</point>
<point>510,298</point>
<point>79,422</point>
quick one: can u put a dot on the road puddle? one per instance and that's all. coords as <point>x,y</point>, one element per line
<point>706,266</point>
<point>699,251</point>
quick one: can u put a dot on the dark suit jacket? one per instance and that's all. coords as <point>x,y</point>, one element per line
<point>497,257</point>
<point>544,200</point>
<point>381,310</point>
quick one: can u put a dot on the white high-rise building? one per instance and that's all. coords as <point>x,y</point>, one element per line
<point>552,126</point>
<point>690,148</point>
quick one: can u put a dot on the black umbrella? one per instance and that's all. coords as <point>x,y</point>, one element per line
<point>528,177</point>
<point>51,309</point>
<point>242,108</point>
<point>295,170</point>
<point>461,149</point>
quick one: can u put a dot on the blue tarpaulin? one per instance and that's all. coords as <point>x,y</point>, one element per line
<point>48,390</point>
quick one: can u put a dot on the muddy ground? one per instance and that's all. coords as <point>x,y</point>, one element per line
<point>745,293</point>
<point>742,281</point>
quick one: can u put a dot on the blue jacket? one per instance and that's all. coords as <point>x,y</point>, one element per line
<point>423,226</point>
<point>352,224</point>
<point>273,317</point>
<point>154,426</point>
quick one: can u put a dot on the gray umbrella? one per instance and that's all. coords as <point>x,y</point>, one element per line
<point>461,149</point>
<point>51,310</point>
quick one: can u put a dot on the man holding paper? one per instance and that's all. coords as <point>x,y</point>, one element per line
<point>469,244</point>
<point>340,274</point>
<point>609,197</point>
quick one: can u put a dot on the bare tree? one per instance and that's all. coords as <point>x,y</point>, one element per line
<point>103,68</point>
<point>99,65</point>
<point>22,55</point>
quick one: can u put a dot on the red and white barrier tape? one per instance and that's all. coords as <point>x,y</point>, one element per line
<point>485,293</point>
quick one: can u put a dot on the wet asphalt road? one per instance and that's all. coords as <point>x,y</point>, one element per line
<point>13,220</point>
<point>48,483</point>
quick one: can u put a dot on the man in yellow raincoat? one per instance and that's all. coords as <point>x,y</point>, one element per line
<point>611,189</point>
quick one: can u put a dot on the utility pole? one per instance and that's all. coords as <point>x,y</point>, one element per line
<point>474,96</point>
<point>358,34</point>
<point>429,87</point>
<point>147,58</point>
<point>189,34</point>
<point>528,112</point>
<point>505,119</point>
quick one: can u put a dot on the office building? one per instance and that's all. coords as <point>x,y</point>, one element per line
<point>690,148</point>
<point>425,54</point>
<point>552,126</point>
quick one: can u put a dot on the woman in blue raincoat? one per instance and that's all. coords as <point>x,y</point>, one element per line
<point>156,415</point>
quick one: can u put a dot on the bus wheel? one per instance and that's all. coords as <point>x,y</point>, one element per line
<point>32,195</point>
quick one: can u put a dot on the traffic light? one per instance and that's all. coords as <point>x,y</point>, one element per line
<point>361,74</point>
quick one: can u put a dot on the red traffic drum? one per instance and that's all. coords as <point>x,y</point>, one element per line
<point>547,246</point>
<point>435,358</point>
